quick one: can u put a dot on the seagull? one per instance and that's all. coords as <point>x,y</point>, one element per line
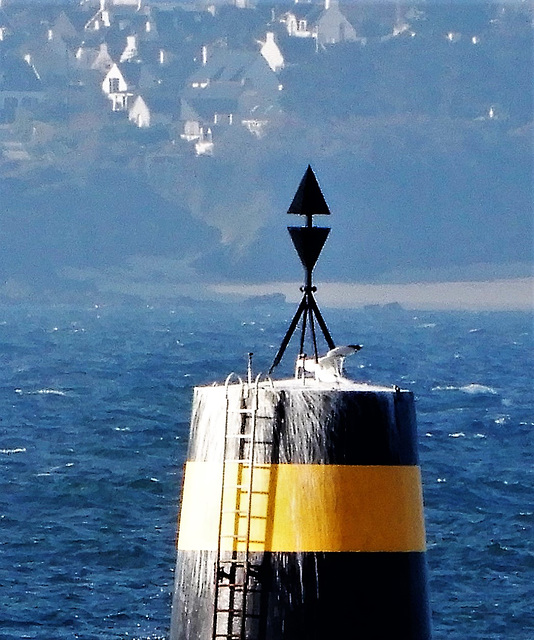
<point>328,368</point>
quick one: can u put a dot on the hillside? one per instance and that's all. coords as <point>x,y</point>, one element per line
<point>420,133</point>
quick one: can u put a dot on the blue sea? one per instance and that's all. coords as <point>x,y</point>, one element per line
<point>94,419</point>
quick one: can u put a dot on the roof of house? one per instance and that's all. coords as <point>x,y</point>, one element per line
<point>314,13</point>
<point>187,112</point>
<point>160,104</point>
<point>17,75</point>
<point>4,20</point>
<point>215,91</point>
<point>130,71</point>
<point>238,67</point>
<point>64,26</point>
<point>253,106</point>
<point>308,12</point>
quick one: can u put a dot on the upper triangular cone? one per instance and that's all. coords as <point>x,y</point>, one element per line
<point>309,200</point>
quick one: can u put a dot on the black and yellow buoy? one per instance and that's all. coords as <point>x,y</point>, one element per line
<point>302,513</point>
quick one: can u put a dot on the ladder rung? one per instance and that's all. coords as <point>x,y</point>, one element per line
<point>240,587</point>
<point>239,435</point>
<point>239,611</point>
<point>237,512</point>
<point>246,461</point>
<point>245,514</point>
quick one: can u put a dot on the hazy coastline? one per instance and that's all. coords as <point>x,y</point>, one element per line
<point>515,294</point>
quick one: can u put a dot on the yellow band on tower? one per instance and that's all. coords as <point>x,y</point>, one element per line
<point>302,507</point>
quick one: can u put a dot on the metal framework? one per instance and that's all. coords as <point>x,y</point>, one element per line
<point>309,241</point>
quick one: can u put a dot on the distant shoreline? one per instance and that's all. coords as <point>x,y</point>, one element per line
<point>515,294</point>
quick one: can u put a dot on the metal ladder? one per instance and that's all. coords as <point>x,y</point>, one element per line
<point>237,589</point>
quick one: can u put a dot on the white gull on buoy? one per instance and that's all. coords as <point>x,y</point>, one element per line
<point>328,368</point>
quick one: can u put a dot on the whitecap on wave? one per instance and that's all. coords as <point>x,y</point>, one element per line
<point>8,452</point>
<point>478,388</point>
<point>473,389</point>
<point>41,392</point>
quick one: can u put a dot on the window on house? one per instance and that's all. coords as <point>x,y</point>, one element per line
<point>302,25</point>
<point>114,85</point>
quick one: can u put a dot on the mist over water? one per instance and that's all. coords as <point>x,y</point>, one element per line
<point>95,411</point>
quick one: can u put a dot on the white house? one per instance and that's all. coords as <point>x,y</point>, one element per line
<point>231,88</point>
<point>327,24</point>
<point>214,94</point>
<point>204,145</point>
<point>122,82</point>
<point>117,89</point>
<point>271,52</point>
<point>298,24</point>
<point>139,113</point>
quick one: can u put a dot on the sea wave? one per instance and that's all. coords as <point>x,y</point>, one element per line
<point>473,389</point>
<point>41,392</point>
<point>89,512</point>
